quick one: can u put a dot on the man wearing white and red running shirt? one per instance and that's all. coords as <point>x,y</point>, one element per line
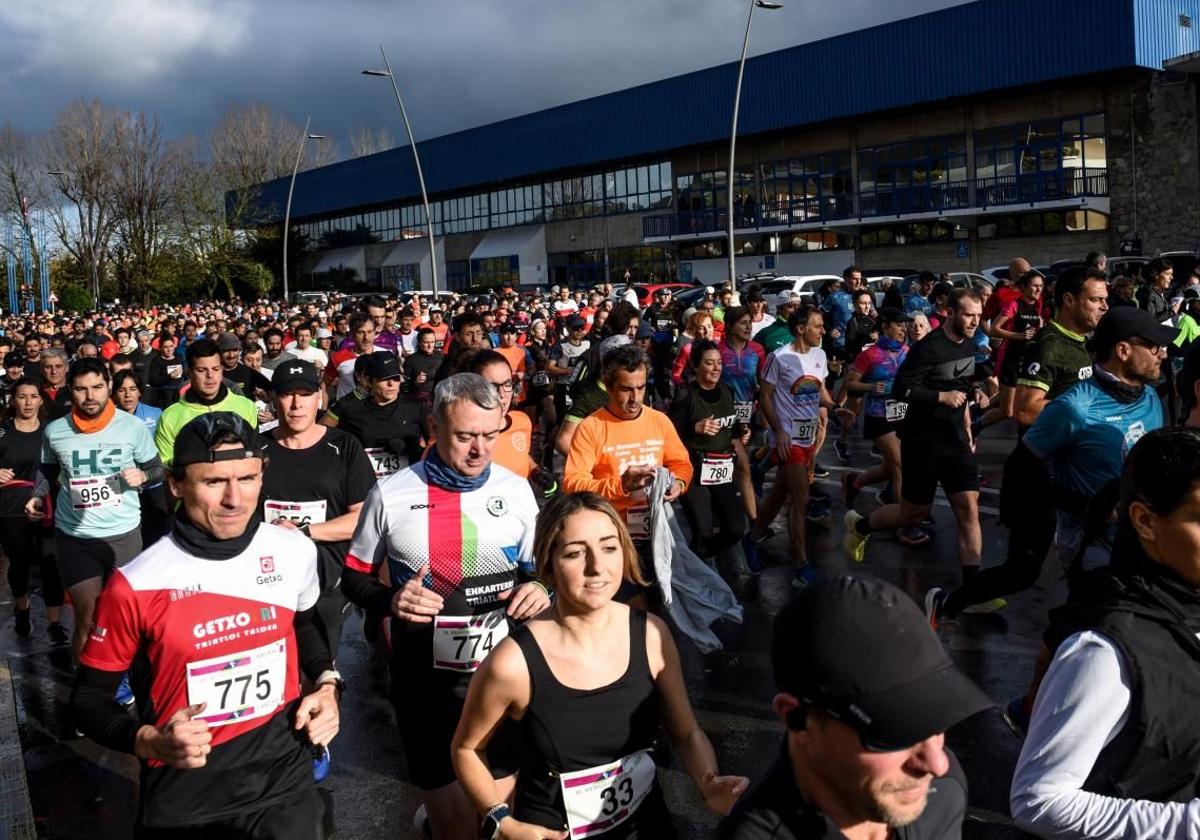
<point>223,613</point>
<point>339,373</point>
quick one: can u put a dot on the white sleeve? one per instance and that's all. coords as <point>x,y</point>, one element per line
<point>1081,705</point>
<point>528,507</point>
<point>310,588</point>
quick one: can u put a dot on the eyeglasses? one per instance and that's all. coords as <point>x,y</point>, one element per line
<point>504,386</point>
<point>1153,348</point>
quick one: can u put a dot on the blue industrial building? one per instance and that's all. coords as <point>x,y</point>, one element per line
<point>953,140</point>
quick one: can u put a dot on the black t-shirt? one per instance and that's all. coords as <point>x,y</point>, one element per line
<point>391,434</point>
<point>33,370</point>
<point>774,809</point>
<point>935,365</point>
<point>420,363</point>
<point>315,485</point>
<point>693,404</point>
<point>248,379</point>
<point>20,452</point>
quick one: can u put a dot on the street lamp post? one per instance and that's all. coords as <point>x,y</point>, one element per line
<point>287,213</point>
<point>416,160</point>
<point>737,101</point>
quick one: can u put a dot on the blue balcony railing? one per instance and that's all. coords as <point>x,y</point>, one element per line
<point>1026,188</point>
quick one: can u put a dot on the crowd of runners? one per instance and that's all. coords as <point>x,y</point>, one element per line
<point>491,481</point>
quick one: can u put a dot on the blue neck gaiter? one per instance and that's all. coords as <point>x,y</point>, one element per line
<point>442,475</point>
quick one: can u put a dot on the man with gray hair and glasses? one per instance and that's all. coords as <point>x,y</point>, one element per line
<point>456,533</point>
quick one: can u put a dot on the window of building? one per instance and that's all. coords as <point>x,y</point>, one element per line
<point>806,189</point>
<point>638,188</point>
<point>1042,161</point>
<point>402,278</point>
<point>909,234</point>
<point>914,177</point>
<point>703,200</point>
<point>494,271</point>
<point>574,198</point>
<point>1039,224</point>
<point>814,240</point>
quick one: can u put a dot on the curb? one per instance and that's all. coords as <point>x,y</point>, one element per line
<point>16,813</point>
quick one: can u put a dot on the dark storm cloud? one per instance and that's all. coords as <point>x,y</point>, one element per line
<point>460,63</point>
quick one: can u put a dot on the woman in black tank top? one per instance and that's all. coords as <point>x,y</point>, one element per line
<point>589,681</point>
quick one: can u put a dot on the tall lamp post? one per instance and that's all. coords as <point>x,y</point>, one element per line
<point>416,160</point>
<point>737,101</point>
<point>287,213</point>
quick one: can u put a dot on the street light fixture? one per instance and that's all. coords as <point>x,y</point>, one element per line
<point>416,160</point>
<point>287,213</point>
<point>737,101</point>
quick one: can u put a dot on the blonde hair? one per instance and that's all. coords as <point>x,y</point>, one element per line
<point>553,518</point>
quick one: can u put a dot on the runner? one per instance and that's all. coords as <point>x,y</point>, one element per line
<point>316,480</point>
<point>862,330</point>
<point>20,454</point>
<point>778,334</point>
<point>100,458</point>
<point>742,359</point>
<point>1024,316</point>
<point>389,427</point>
<point>564,357</point>
<point>661,319</point>
<point>339,373</point>
<point>793,397</point>
<point>1086,433</point>
<point>224,741</point>
<point>421,366</point>
<point>1058,358</point>
<point>156,507</point>
<point>55,393</point>
<point>590,681</point>
<point>706,417</point>
<point>206,392</point>
<point>456,532</point>
<point>872,375</point>
<point>937,382</point>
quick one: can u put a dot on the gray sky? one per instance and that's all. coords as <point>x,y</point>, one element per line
<point>460,63</point>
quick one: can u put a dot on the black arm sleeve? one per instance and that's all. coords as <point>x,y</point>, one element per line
<point>312,651</point>
<point>46,475</point>
<point>366,591</point>
<point>910,378</point>
<point>154,471</point>
<point>680,414</point>
<point>96,711</point>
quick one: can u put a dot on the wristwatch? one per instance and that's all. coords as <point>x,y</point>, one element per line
<point>333,678</point>
<point>489,829</point>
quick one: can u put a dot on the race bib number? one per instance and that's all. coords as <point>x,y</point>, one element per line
<point>96,491</point>
<point>175,371</point>
<point>637,520</point>
<point>541,379</point>
<point>386,462</point>
<point>716,469</point>
<point>742,411</point>
<point>600,798</point>
<point>240,686</point>
<point>302,513</point>
<point>894,410</point>
<point>804,432</point>
<point>462,642</point>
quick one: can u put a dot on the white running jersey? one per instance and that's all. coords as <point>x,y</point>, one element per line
<point>798,379</point>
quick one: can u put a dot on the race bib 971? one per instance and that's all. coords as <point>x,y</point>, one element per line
<point>804,432</point>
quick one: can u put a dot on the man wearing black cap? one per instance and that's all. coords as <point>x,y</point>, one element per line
<point>661,320</point>
<point>564,357</point>
<point>14,371</point>
<point>317,480</point>
<point>1086,434</point>
<point>390,427</point>
<point>866,692</point>
<point>224,738</point>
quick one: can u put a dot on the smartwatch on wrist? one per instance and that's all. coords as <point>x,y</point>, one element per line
<point>489,829</point>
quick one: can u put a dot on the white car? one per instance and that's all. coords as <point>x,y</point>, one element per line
<point>805,285</point>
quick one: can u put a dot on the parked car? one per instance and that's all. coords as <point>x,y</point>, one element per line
<point>301,298</point>
<point>1184,263</point>
<point>646,293</point>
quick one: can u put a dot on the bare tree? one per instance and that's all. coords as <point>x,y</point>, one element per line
<point>365,140</point>
<point>81,151</point>
<point>144,188</point>
<point>20,184</point>
<point>252,144</point>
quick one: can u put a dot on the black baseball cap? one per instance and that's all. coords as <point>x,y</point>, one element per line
<point>894,315</point>
<point>195,441</point>
<point>383,364</point>
<point>509,327</point>
<point>861,650</point>
<point>14,359</point>
<point>296,375</point>
<point>576,322</point>
<point>1125,322</point>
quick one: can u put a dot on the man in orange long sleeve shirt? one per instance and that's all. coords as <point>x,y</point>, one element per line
<point>617,449</point>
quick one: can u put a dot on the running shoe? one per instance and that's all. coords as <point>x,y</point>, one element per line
<point>934,599</point>
<point>805,576</point>
<point>23,625</point>
<point>1017,717</point>
<point>820,471</point>
<point>320,763</point>
<point>849,491</point>
<point>750,552</point>
<point>853,542</point>
<point>843,451</point>
<point>913,537</point>
<point>421,823</point>
<point>986,607</point>
<point>58,634</point>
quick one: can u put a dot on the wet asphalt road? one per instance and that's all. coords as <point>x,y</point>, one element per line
<point>80,790</point>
